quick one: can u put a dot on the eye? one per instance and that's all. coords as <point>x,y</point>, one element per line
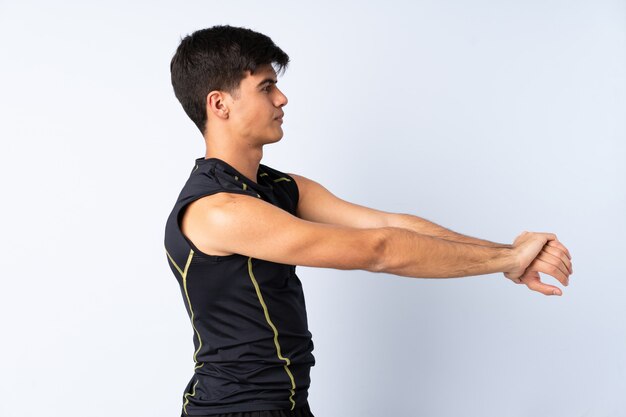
<point>267,89</point>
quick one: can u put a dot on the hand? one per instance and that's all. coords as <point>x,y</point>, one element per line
<point>540,252</point>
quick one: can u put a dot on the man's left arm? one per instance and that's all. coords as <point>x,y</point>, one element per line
<point>425,227</point>
<point>317,204</point>
<point>320,205</point>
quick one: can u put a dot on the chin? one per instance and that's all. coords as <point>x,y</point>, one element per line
<point>276,139</point>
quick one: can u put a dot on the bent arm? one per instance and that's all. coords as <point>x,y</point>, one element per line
<point>425,227</point>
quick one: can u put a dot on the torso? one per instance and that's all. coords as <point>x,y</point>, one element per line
<point>252,346</point>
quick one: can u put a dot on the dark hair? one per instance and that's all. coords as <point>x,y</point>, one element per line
<point>217,58</point>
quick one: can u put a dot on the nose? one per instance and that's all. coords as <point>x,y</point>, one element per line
<point>282,99</point>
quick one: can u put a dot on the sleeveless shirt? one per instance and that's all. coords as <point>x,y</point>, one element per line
<point>252,346</point>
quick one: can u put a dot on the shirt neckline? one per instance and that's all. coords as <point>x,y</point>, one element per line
<point>239,175</point>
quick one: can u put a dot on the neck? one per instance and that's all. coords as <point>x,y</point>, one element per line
<point>245,161</point>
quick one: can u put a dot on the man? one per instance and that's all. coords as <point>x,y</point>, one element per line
<point>239,228</point>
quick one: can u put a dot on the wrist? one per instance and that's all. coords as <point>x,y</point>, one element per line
<point>507,260</point>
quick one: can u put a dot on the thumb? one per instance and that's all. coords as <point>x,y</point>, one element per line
<point>545,289</point>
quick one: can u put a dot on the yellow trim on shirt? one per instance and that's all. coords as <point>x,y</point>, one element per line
<point>183,274</point>
<point>269,321</point>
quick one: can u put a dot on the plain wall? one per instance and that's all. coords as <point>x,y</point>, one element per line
<point>488,118</point>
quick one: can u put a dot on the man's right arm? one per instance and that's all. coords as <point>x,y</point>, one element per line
<point>411,254</point>
<point>252,227</point>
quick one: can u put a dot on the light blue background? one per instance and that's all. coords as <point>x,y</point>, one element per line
<point>487,117</point>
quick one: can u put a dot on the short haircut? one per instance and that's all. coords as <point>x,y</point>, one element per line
<point>217,58</point>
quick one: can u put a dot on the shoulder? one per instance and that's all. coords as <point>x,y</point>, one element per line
<point>300,180</point>
<point>306,184</point>
<point>217,215</point>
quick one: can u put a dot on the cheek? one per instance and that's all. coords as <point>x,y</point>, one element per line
<point>250,120</point>
<point>251,112</point>
<point>258,115</point>
<point>254,116</point>
<point>245,115</point>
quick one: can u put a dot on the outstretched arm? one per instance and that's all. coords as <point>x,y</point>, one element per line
<point>318,204</point>
<point>229,222</point>
<point>425,227</point>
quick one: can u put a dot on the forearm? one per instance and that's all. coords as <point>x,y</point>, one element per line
<point>410,254</point>
<point>425,227</point>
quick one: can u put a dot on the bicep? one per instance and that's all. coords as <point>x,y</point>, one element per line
<point>318,204</point>
<point>256,228</point>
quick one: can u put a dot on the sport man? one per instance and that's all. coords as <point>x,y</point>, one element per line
<point>239,228</point>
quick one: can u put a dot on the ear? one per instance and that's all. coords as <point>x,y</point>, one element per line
<point>216,104</point>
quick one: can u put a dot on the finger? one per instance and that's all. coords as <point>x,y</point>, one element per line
<point>548,236</point>
<point>560,255</point>
<point>545,289</point>
<point>529,275</point>
<point>556,263</point>
<point>540,265</point>
<point>557,252</point>
<point>558,244</point>
<point>553,266</point>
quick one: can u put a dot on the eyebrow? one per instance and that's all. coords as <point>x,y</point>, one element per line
<point>267,80</point>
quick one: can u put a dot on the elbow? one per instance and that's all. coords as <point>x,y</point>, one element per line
<point>378,250</point>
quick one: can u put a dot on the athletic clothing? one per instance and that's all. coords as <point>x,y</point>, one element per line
<point>253,349</point>
<point>304,411</point>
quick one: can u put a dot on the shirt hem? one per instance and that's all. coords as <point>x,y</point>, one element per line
<point>247,407</point>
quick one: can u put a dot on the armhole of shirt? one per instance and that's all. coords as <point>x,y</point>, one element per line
<point>295,193</point>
